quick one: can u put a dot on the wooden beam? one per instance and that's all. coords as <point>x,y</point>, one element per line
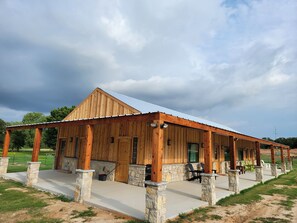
<point>282,154</point>
<point>289,154</point>
<point>36,146</point>
<point>157,151</point>
<point>144,117</point>
<point>6,143</point>
<point>233,152</point>
<point>272,154</point>
<point>258,155</point>
<point>94,121</point>
<point>196,125</point>
<point>208,148</point>
<point>87,151</point>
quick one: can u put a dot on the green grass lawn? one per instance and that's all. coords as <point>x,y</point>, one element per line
<point>18,160</point>
<point>250,195</point>
<point>16,197</point>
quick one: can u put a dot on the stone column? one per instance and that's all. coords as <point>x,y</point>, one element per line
<point>233,176</point>
<point>83,185</point>
<point>208,188</point>
<point>259,173</point>
<point>155,202</point>
<point>3,165</point>
<point>274,170</point>
<point>290,165</point>
<point>32,173</point>
<point>283,167</point>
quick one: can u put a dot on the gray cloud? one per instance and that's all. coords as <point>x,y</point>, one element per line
<point>231,62</point>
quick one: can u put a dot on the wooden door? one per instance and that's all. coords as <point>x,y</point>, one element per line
<point>60,154</point>
<point>216,160</point>
<point>122,168</point>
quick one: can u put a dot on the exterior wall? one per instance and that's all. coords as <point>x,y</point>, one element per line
<point>136,175</point>
<point>171,173</point>
<point>100,104</point>
<point>100,167</point>
<point>175,152</point>
<point>69,164</point>
<point>174,172</point>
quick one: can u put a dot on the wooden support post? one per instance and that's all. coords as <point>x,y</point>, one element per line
<point>87,151</point>
<point>157,152</point>
<point>282,154</point>
<point>272,154</point>
<point>289,154</point>
<point>6,143</point>
<point>258,155</point>
<point>233,152</point>
<point>36,146</point>
<point>208,144</point>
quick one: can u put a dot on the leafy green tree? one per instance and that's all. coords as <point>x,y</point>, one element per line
<point>58,114</point>
<point>31,118</point>
<point>17,140</point>
<point>2,132</point>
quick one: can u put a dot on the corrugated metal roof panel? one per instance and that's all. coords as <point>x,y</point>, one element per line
<point>146,107</point>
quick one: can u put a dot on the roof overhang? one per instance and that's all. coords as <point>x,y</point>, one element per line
<point>144,117</point>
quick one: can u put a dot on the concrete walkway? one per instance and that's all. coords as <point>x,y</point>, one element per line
<point>130,200</point>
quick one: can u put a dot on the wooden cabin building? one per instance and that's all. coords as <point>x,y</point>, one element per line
<point>122,144</point>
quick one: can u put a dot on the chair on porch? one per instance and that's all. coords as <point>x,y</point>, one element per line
<point>195,173</point>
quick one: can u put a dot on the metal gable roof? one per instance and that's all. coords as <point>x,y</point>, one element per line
<point>146,107</point>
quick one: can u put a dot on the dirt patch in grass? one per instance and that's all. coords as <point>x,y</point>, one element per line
<point>53,209</point>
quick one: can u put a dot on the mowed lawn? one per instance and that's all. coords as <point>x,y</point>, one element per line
<point>18,160</point>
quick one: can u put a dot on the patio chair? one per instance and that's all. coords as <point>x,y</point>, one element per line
<point>195,173</point>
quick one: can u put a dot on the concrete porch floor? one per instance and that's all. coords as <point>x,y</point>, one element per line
<point>130,200</point>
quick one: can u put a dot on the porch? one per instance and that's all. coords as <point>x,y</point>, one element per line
<point>130,200</point>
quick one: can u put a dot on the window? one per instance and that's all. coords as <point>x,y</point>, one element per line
<point>134,150</point>
<point>240,154</point>
<point>193,152</point>
<point>226,153</point>
<point>76,148</point>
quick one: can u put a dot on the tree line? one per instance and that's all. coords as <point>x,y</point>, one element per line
<point>25,138</point>
<point>290,141</point>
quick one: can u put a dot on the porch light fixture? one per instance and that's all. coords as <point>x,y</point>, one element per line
<point>164,126</point>
<point>154,125</point>
<point>111,139</point>
<point>168,142</point>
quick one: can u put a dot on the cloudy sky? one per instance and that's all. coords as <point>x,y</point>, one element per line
<point>233,62</point>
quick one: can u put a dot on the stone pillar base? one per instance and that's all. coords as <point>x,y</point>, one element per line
<point>290,165</point>
<point>83,185</point>
<point>155,202</point>
<point>274,170</point>
<point>283,167</point>
<point>208,188</point>
<point>233,176</point>
<point>32,173</point>
<point>3,165</point>
<point>259,173</point>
